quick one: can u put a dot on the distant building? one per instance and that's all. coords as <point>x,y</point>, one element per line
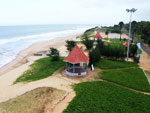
<point>98,36</point>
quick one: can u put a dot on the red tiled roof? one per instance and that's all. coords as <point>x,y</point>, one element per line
<point>125,44</point>
<point>76,56</point>
<point>98,35</point>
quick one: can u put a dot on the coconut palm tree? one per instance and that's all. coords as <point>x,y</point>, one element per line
<point>121,24</point>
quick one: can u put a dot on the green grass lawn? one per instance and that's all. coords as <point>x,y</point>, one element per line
<point>42,68</point>
<point>102,97</point>
<point>113,64</point>
<point>117,40</point>
<point>132,78</point>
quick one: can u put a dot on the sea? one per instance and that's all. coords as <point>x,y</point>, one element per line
<point>14,39</point>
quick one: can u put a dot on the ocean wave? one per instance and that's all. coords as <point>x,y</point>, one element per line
<point>10,47</point>
<point>44,36</point>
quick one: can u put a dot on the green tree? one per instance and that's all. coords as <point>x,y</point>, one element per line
<point>70,44</point>
<point>121,26</point>
<point>94,56</point>
<point>88,43</point>
<point>54,53</point>
<point>134,28</point>
<point>107,32</point>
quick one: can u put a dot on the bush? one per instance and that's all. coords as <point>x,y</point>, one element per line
<point>54,54</point>
<point>133,50</point>
<point>70,44</point>
<point>94,56</point>
<point>113,50</point>
<point>88,43</point>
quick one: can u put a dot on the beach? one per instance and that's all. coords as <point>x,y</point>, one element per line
<point>21,57</point>
<point>11,71</point>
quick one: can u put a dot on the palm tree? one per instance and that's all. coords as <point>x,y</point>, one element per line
<point>121,24</point>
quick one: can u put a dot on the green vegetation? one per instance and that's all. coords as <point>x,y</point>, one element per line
<point>140,29</point>
<point>54,54</point>
<point>105,39</point>
<point>35,101</point>
<point>40,69</point>
<point>116,40</point>
<point>88,43</point>
<point>121,24</point>
<point>70,44</point>
<point>102,97</point>
<point>113,64</point>
<point>132,77</point>
<point>88,33</point>
<point>94,56</point>
<point>111,29</point>
<point>113,50</point>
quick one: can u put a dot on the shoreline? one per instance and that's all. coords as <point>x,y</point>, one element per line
<point>20,59</point>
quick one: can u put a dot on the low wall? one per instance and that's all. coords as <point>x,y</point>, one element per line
<point>75,74</point>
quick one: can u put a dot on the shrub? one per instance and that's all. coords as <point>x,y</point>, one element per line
<point>88,43</point>
<point>94,56</point>
<point>54,54</point>
<point>70,44</point>
<point>112,50</point>
<point>133,50</point>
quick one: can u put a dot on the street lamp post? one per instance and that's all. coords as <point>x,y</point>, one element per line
<point>131,11</point>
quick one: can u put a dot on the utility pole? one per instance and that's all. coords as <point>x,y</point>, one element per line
<point>130,11</point>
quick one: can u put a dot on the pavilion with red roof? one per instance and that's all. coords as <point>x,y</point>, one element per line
<point>98,36</point>
<point>76,62</point>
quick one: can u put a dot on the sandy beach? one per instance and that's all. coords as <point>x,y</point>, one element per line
<point>14,69</point>
<point>20,59</point>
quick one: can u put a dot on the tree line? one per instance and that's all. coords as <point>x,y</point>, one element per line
<point>139,29</point>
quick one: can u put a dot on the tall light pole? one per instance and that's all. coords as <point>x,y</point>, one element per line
<point>130,11</point>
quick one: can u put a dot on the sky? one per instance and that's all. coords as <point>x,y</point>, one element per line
<point>102,12</point>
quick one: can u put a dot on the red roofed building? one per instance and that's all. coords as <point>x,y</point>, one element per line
<point>76,62</point>
<point>98,36</point>
<point>125,44</point>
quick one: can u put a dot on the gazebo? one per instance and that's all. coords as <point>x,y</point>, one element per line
<point>98,36</point>
<point>76,62</point>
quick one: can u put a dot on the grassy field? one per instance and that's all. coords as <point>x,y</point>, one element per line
<point>36,101</point>
<point>40,69</point>
<point>102,97</point>
<point>132,78</point>
<point>117,40</point>
<point>113,64</point>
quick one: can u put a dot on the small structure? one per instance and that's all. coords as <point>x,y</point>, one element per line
<point>42,53</point>
<point>98,36</point>
<point>76,62</point>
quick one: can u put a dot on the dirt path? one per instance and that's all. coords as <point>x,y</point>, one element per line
<point>64,103</point>
<point>147,93</point>
<point>144,63</point>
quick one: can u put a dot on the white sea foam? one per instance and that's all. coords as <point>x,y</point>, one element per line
<point>9,48</point>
